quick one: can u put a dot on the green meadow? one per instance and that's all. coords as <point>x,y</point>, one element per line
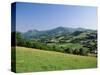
<point>33,60</point>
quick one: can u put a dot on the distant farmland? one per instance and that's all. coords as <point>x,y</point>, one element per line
<point>30,60</point>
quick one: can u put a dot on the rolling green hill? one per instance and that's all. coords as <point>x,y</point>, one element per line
<point>78,40</point>
<point>59,31</point>
<point>29,60</point>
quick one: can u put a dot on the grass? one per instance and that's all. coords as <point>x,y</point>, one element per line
<point>30,60</point>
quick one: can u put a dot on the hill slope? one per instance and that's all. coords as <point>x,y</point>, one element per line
<point>56,31</point>
<point>29,60</point>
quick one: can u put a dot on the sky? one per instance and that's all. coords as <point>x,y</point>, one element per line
<point>30,16</point>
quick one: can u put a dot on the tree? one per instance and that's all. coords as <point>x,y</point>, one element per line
<point>83,51</point>
<point>68,50</point>
<point>76,51</point>
<point>19,40</point>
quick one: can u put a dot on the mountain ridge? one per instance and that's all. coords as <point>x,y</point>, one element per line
<point>52,32</point>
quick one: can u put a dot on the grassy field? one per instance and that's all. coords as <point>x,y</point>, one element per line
<point>30,60</point>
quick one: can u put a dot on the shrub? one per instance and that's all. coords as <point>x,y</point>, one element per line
<point>68,50</point>
<point>76,51</point>
<point>83,51</point>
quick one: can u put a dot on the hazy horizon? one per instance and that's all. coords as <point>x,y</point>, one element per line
<point>31,16</point>
<point>53,28</point>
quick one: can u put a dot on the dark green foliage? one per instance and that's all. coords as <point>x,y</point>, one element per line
<point>83,51</point>
<point>76,51</point>
<point>69,50</point>
<point>80,51</point>
<point>19,39</point>
<point>77,33</point>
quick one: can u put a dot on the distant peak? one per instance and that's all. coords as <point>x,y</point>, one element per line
<point>80,28</point>
<point>33,30</point>
<point>60,27</point>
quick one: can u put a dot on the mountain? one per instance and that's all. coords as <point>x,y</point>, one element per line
<point>59,31</point>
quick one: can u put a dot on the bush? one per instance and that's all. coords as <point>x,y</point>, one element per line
<point>76,51</point>
<point>68,50</point>
<point>83,51</point>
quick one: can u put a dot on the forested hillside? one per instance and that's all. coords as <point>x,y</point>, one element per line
<point>78,41</point>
